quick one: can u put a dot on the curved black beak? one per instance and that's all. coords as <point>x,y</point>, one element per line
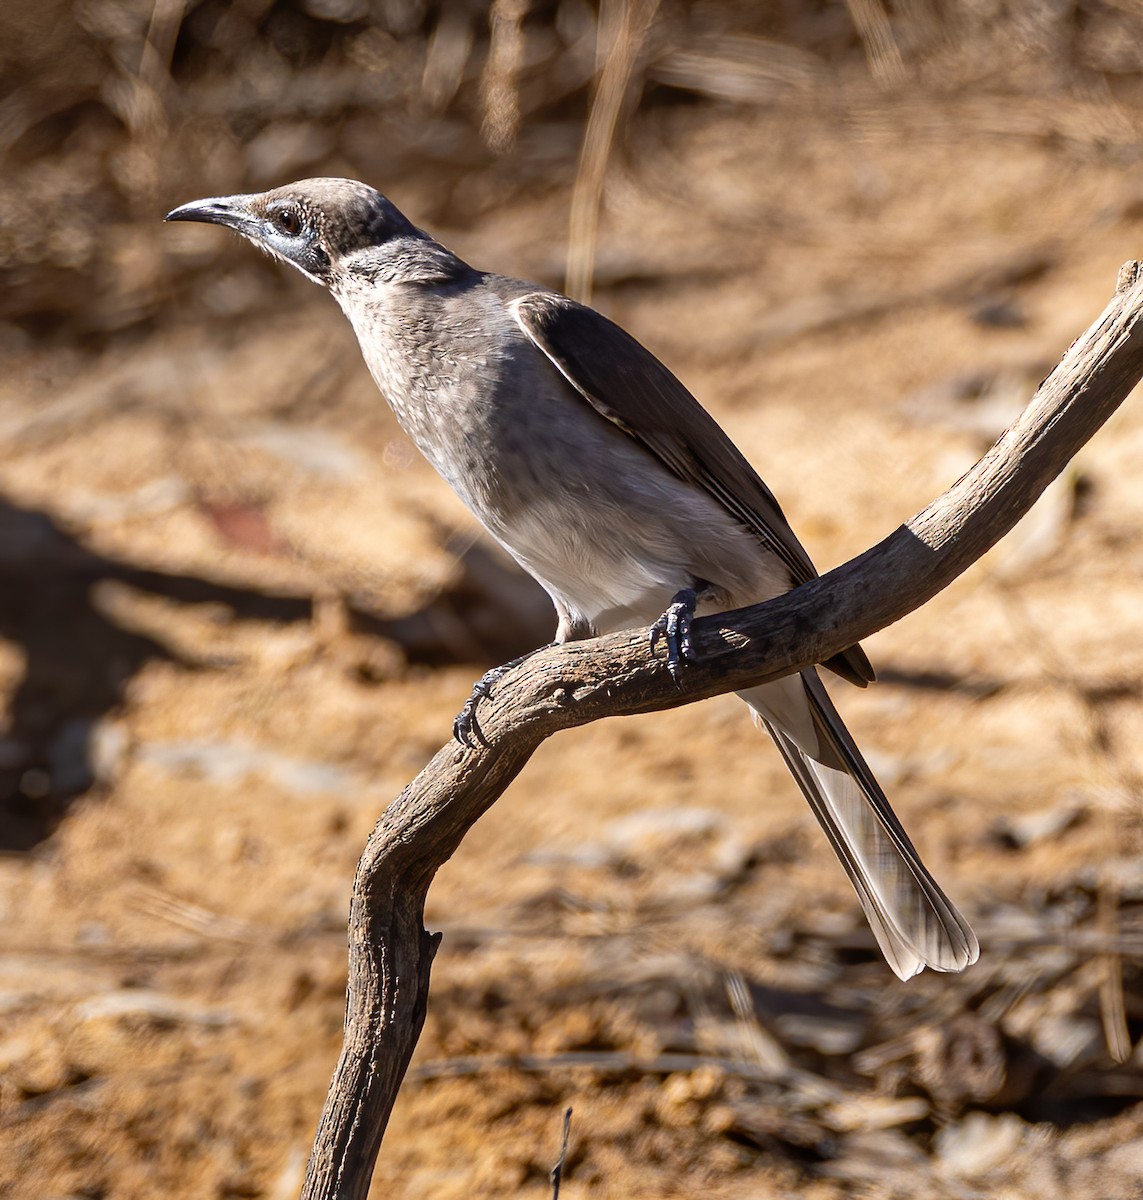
<point>232,211</point>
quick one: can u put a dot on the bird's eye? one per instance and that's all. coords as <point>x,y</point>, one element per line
<point>288,221</point>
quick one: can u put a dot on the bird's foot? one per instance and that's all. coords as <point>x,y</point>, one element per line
<point>466,728</point>
<point>675,626</point>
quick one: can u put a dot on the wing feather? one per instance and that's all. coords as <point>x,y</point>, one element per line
<point>627,384</point>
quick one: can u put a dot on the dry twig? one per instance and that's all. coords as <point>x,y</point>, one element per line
<point>564,686</point>
<point>558,1170</point>
<point>627,27</point>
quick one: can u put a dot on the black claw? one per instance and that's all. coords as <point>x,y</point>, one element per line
<point>675,626</point>
<point>466,729</point>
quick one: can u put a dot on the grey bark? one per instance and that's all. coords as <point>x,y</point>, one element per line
<point>390,953</point>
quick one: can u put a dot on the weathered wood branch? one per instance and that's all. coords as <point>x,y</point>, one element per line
<point>390,953</point>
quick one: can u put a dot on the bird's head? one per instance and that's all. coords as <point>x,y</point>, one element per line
<point>324,227</point>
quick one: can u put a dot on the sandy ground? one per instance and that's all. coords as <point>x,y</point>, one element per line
<point>237,611</point>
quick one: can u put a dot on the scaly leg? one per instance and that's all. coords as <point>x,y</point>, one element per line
<point>675,626</point>
<point>466,728</point>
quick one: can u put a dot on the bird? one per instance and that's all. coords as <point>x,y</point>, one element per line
<point>607,481</point>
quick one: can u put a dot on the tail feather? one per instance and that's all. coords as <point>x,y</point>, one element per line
<point>915,923</point>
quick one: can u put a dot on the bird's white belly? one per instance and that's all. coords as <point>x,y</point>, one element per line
<point>607,580</point>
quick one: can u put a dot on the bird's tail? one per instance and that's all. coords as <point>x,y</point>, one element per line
<point>915,923</point>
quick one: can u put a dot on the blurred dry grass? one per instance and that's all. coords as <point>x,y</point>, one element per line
<point>111,109</point>
<point>217,660</point>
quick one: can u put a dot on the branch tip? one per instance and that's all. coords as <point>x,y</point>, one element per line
<point>1128,276</point>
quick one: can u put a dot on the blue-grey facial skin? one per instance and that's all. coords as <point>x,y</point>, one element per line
<point>323,227</point>
<point>605,479</point>
<point>281,227</point>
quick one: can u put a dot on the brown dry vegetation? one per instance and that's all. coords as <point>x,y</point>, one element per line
<point>238,613</point>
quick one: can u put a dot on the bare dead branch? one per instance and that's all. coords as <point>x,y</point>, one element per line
<point>557,1172</point>
<point>390,953</point>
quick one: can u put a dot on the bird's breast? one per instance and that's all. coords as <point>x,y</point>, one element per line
<point>581,505</point>
<point>467,389</point>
